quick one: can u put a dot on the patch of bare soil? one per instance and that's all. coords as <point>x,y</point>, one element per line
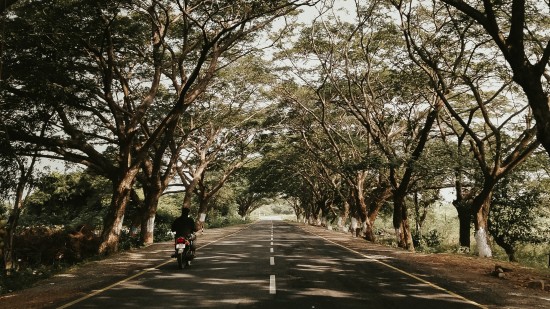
<point>465,275</point>
<point>488,282</point>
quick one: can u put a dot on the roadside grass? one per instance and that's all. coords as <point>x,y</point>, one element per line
<point>440,233</point>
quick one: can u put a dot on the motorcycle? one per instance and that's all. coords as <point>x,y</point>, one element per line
<point>184,252</point>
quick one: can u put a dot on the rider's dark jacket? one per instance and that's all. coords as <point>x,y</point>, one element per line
<point>183,226</point>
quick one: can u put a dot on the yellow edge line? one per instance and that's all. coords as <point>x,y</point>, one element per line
<point>140,273</point>
<point>402,271</point>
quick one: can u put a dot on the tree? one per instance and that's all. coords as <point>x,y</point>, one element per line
<point>386,98</point>
<point>517,215</point>
<point>67,199</point>
<point>100,76</point>
<point>480,105</point>
<point>248,202</point>
<point>225,130</point>
<point>517,29</point>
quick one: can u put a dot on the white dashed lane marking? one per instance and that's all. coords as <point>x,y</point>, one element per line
<point>272,285</point>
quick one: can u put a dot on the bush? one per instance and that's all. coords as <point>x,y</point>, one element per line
<point>432,239</point>
<point>54,245</point>
<point>42,250</point>
<point>163,231</point>
<point>224,221</point>
<point>23,279</point>
<point>429,242</point>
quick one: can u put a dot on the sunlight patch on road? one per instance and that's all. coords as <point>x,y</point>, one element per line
<point>65,275</point>
<point>219,281</point>
<point>325,292</point>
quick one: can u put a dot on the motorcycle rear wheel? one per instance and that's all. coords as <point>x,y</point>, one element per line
<point>181,261</point>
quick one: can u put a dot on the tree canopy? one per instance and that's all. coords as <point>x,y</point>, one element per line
<point>345,114</point>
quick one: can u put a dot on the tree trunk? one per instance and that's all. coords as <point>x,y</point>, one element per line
<point>112,224</point>
<point>366,225</point>
<point>481,205</point>
<point>368,230</point>
<point>529,78</point>
<point>148,228</point>
<point>150,206</point>
<point>361,205</point>
<point>401,223</point>
<point>464,220</point>
<point>343,217</point>
<point>377,200</point>
<point>9,246</point>
<point>203,204</point>
<point>508,248</point>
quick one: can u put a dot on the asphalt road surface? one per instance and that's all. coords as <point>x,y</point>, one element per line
<point>272,264</point>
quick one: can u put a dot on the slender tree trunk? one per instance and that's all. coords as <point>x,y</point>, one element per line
<point>13,221</point>
<point>508,248</point>
<point>419,219</point>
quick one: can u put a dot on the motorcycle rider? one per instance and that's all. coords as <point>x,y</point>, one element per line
<point>185,226</point>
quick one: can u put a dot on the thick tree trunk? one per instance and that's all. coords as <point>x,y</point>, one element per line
<point>203,210</point>
<point>148,216</point>
<point>368,231</point>
<point>481,205</point>
<point>464,211</point>
<point>343,217</point>
<point>529,78</point>
<point>148,228</point>
<point>401,223</point>
<point>203,204</point>
<point>366,225</point>
<point>112,224</point>
<point>358,194</point>
<point>377,200</point>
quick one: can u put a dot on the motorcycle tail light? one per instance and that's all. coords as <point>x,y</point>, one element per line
<point>180,240</point>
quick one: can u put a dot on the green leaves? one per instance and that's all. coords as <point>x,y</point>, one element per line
<point>68,200</point>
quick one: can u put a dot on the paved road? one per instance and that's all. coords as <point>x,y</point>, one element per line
<point>272,264</point>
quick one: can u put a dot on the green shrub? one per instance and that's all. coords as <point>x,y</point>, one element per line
<point>22,279</point>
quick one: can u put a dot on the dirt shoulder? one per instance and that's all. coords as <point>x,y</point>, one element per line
<point>467,276</point>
